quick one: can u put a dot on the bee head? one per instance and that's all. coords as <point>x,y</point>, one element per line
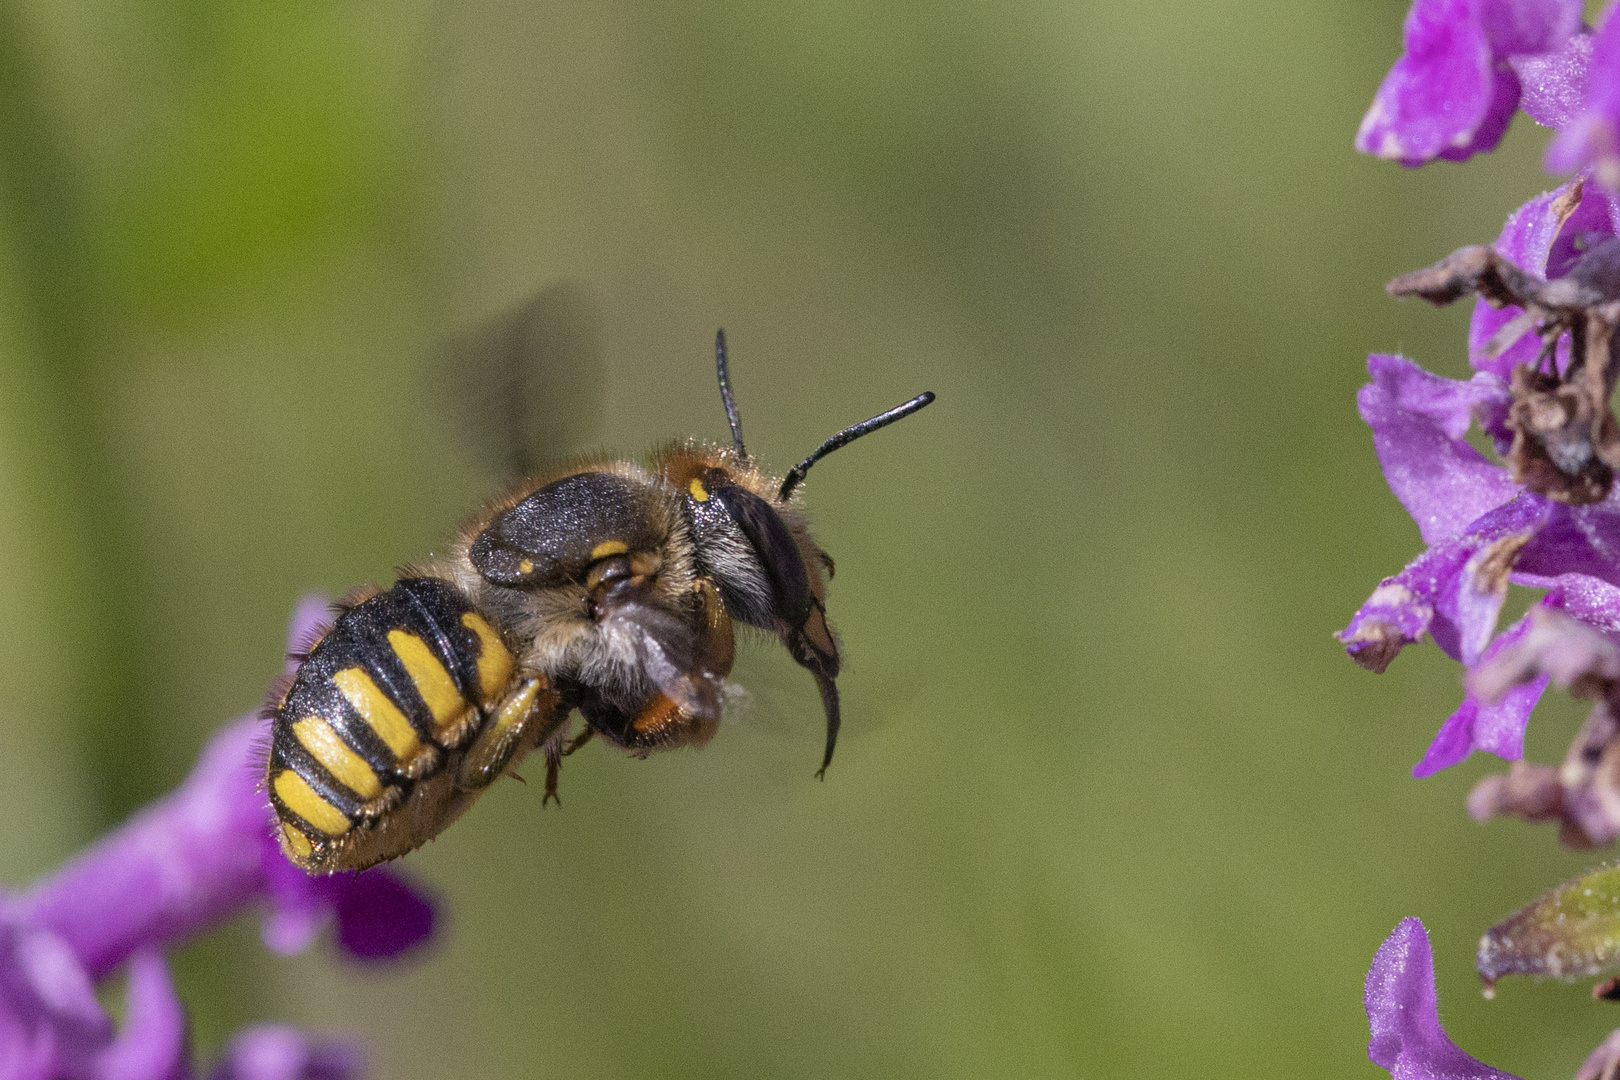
<point>754,544</point>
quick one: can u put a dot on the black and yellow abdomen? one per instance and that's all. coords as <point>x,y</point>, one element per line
<point>371,746</point>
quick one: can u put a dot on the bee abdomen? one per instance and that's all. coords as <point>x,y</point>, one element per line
<point>401,678</point>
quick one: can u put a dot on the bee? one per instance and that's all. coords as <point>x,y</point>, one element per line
<point>604,587</point>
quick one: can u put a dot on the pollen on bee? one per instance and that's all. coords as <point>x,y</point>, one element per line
<point>609,547</point>
<point>699,492</point>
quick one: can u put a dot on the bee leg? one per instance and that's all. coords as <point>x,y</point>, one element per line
<point>530,712</point>
<point>554,756</point>
<point>579,740</point>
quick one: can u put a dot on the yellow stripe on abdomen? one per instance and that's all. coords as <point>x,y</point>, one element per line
<point>296,794</point>
<point>348,767</point>
<point>432,681</point>
<point>379,712</point>
<point>495,662</point>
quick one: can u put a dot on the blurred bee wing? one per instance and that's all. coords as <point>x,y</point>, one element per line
<point>669,653</point>
<point>526,386</point>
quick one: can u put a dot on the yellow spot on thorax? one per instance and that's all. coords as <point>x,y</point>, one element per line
<point>526,566</point>
<point>699,492</point>
<point>495,662</point>
<point>379,712</point>
<point>295,843</point>
<point>609,547</point>
<point>438,690</point>
<point>348,767</point>
<point>296,794</point>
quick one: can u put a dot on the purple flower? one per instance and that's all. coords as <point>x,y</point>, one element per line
<point>1602,1063</point>
<point>1455,86</point>
<point>191,860</point>
<point>1544,237</point>
<point>1483,530</point>
<point>1580,654</point>
<point>279,1052</point>
<point>1407,1038</point>
<point>1591,138</point>
<point>53,1028</point>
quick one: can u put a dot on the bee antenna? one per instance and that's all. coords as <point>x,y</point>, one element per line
<point>725,393</point>
<point>849,435</point>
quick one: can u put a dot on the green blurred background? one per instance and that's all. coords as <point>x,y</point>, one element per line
<point>1110,801</point>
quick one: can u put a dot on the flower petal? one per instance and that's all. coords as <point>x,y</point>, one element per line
<point>1454,591</point>
<point>152,1044</point>
<point>279,1052</point>
<point>1577,540</point>
<point>1529,26</point>
<point>184,863</point>
<point>1587,599</point>
<point>28,1050</point>
<point>379,916</point>
<point>1589,140</point>
<point>1496,726</point>
<point>58,980</point>
<point>1552,85</point>
<point>1407,1038</point>
<point>1418,422</point>
<point>1393,617</point>
<point>1550,221</point>
<point>1601,1061</point>
<point>1439,93</point>
<point>51,1024</point>
<point>1499,110</point>
<point>1555,646</point>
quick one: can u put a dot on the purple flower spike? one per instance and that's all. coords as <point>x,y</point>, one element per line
<point>194,858</point>
<point>1452,92</point>
<point>1407,1038</point>
<point>278,1052</point>
<point>1592,139</point>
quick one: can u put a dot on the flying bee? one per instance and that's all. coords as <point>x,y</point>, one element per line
<point>604,587</point>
